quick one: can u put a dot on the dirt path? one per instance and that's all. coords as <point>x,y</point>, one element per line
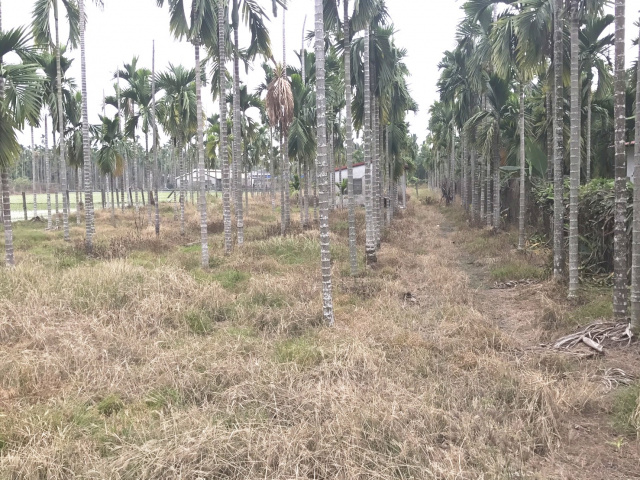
<point>585,440</point>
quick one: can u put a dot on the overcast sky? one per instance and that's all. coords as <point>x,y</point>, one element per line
<point>126,28</point>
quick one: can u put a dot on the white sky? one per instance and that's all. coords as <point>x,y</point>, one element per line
<point>125,28</point>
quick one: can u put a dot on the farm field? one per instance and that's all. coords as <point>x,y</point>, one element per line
<point>138,363</point>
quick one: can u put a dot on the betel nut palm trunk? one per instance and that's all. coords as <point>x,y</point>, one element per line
<point>325,253</point>
<point>620,291</point>
<point>574,151</point>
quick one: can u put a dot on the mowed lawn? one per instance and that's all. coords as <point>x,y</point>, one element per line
<point>136,363</point>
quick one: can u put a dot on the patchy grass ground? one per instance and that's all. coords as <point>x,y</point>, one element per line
<point>138,364</point>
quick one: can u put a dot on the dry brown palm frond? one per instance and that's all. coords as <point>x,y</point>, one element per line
<point>280,100</point>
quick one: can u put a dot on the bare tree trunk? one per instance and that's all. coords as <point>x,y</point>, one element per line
<point>33,175</point>
<point>377,197</point>
<point>558,146</point>
<point>325,252</point>
<point>483,191</point>
<point>496,180</point>
<point>488,178</point>
<point>6,218</point>
<point>63,163</point>
<point>370,242</point>
<point>47,171</point>
<point>272,172</point>
<point>183,179</point>
<point>237,133</point>
<point>88,190</point>
<point>620,291</point>
<point>635,247</point>
<point>200,161</point>
<point>550,142</point>
<point>156,173</point>
<point>523,210</point>
<point>587,172</point>
<point>574,151</point>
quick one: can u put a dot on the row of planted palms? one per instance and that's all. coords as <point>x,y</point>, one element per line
<point>503,94</point>
<point>307,115</point>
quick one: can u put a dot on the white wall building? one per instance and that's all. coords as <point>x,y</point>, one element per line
<point>358,179</point>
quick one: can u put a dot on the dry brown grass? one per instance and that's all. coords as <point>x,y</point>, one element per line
<point>138,364</point>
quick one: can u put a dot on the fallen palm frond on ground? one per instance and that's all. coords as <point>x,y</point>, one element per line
<point>596,335</point>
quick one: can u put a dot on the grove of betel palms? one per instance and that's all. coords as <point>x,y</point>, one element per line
<point>216,279</point>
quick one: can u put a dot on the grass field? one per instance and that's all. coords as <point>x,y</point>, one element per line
<point>41,198</point>
<point>136,363</point>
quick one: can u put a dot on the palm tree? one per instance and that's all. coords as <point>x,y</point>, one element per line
<point>620,292</point>
<point>88,188</point>
<point>110,160</point>
<point>20,100</point>
<point>594,49</point>
<point>177,112</point>
<point>49,65</point>
<point>42,36</point>
<point>280,109</point>
<point>254,17</point>
<point>201,28</point>
<point>73,131</point>
<point>577,7</point>
<point>325,252</point>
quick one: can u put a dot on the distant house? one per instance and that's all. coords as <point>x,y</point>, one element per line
<point>213,179</point>
<point>257,179</point>
<point>358,176</point>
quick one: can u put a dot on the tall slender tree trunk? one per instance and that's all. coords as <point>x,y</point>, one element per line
<point>620,291</point>
<point>635,246</point>
<point>6,213</point>
<point>33,175</point>
<point>587,166</point>
<point>147,174</point>
<point>574,150</point>
<point>325,252</point>
<point>285,157</point>
<point>483,190</point>
<point>558,146</point>
<point>488,180</point>
<point>474,179</point>
<point>523,209</point>
<point>307,197</point>
<point>237,132</point>
<point>183,193</point>
<point>550,132</point>
<point>370,241</point>
<point>113,201</point>
<point>377,200</point>
<point>63,163</point>
<point>88,191</point>
<point>389,176</point>
<point>272,171</point>
<point>496,179</point>
<point>224,156</point>
<point>47,171</point>
<point>200,160</point>
<point>283,219</point>
<point>156,172</point>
